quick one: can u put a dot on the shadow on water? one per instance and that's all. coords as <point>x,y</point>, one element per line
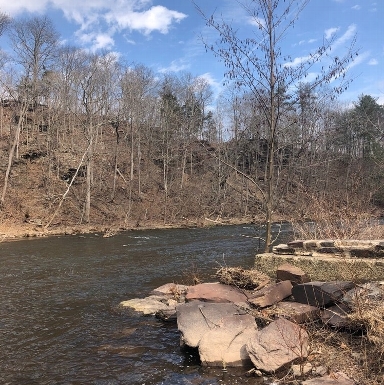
<point>59,316</point>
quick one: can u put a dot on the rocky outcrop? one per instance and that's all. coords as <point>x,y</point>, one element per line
<point>264,327</point>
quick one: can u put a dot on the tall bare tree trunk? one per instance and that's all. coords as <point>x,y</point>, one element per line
<point>14,147</point>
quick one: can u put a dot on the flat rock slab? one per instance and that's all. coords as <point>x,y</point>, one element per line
<point>215,292</point>
<point>270,294</point>
<point>196,318</point>
<point>277,345</point>
<point>225,345</point>
<point>148,306</point>
<point>338,378</point>
<point>321,294</point>
<point>297,312</point>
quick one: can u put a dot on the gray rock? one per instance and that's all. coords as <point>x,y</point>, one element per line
<point>321,294</point>
<point>277,345</point>
<point>336,316</point>
<point>283,249</point>
<point>225,345</point>
<point>196,318</point>
<point>148,306</point>
<point>370,291</point>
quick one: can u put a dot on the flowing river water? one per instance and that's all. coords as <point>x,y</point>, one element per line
<point>59,317</point>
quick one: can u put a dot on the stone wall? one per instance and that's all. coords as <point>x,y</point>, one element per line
<point>356,260</point>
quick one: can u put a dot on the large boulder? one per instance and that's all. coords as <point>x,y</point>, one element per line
<point>277,345</point>
<point>215,292</point>
<point>225,345</point>
<point>219,330</point>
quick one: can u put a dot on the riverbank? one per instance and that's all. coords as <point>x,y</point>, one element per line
<point>14,231</point>
<point>10,230</point>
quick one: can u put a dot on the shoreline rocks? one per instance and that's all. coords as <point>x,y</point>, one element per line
<point>264,327</point>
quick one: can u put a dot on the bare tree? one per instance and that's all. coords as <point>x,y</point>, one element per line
<point>35,43</point>
<point>258,64</point>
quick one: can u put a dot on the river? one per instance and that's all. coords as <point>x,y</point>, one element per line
<point>59,317</point>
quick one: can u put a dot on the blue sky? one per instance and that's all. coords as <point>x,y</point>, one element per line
<point>165,34</point>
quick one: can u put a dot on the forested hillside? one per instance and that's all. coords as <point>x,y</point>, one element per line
<point>87,139</point>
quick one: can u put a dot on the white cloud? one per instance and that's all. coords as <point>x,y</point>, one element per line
<point>330,32</point>
<point>297,61</point>
<point>373,62</point>
<point>156,18</point>
<point>211,81</point>
<point>111,16</point>
<point>348,35</point>
<point>356,7</point>
<point>257,21</point>
<point>175,66</point>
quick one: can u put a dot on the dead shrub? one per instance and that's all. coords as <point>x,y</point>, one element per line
<point>244,279</point>
<point>332,218</point>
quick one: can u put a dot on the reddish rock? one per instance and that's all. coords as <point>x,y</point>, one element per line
<point>288,272</point>
<point>298,312</point>
<point>321,294</point>
<point>219,330</point>
<point>215,292</point>
<point>277,345</point>
<point>271,294</point>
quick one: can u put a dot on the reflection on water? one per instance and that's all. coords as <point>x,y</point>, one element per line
<point>59,321</point>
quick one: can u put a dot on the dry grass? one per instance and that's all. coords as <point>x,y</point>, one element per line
<point>334,219</point>
<point>241,278</point>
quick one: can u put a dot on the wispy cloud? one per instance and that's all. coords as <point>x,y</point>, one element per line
<point>373,62</point>
<point>356,7</point>
<point>257,21</point>
<point>297,61</point>
<point>347,36</point>
<point>330,32</point>
<point>175,66</point>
